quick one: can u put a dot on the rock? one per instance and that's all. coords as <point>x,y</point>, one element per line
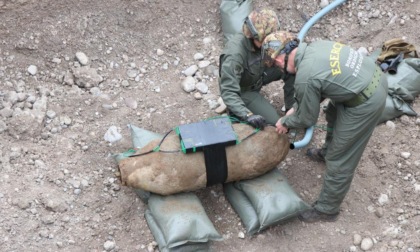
<point>198,56</point>
<point>379,212</point>
<point>383,199</point>
<point>203,63</point>
<point>86,77</point>
<point>221,109</point>
<point>112,135</point>
<point>32,69</point>
<point>159,52</point>
<point>132,73</point>
<point>82,58</point>
<point>357,239</point>
<point>202,87</point>
<point>109,245</point>
<point>323,3</point>
<point>390,124</point>
<point>188,84</point>
<point>198,96</point>
<point>190,71</point>
<point>366,244</point>
<point>26,124</point>
<point>130,102</point>
<point>405,155</point>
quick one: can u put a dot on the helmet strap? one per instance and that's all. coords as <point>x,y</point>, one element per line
<point>286,61</point>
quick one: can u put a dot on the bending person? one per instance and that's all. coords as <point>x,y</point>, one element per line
<point>357,90</point>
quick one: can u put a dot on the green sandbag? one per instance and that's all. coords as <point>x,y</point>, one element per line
<point>264,201</point>
<point>179,223</point>
<point>233,14</point>
<point>403,87</point>
<point>407,77</point>
<point>395,107</point>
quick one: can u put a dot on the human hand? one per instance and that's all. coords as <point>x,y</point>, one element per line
<point>280,128</point>
<point>256,121</point>
<point>290,111</point>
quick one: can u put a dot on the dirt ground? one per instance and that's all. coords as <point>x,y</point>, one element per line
<point>58,188</point>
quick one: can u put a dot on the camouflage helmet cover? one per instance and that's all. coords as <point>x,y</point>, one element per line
<point>260,23</point>
<point>275,44</point>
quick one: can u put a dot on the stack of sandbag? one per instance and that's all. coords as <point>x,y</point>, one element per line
<point>264,201</point>
<point>178,222</point>
<point>401,64</point>
<point>403,87</point>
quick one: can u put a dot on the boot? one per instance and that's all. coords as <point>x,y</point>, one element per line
<point>315,154</point>
<point>313,215</point>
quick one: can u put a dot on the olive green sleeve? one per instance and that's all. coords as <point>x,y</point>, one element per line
<point>230,89</point>
<point>308,96</point>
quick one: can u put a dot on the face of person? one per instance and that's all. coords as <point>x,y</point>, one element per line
<point>280,61</point>
<point>257,43</point>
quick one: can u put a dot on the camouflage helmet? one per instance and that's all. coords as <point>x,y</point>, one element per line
<point>260,23</point>
<point>277,43</point>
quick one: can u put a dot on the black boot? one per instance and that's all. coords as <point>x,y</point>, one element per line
<point>315,154</point>
<point>313,215</point>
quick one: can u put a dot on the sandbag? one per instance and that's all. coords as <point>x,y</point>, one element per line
<point>407,77</point>
<point>395,107</point>
<point>233,13</point>
<point>264,201</point>
<point>170,171</point>
<point>179,223</point>
<point>403,88</point>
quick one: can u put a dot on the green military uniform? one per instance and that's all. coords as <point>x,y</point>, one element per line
<point>242,75</point>
<point>357,90</point>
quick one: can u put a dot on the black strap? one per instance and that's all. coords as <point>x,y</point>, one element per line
<point>216,164</point>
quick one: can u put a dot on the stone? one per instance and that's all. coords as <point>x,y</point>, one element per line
<point>188,84</point>
<point>367,244</point>
<point>112,135</point>
<point>32,69</point>
<point>357,239</point>
<point>82,58</point>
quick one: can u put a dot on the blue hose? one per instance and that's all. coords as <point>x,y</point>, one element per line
<point>309,131</point>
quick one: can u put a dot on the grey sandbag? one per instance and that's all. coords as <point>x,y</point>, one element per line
<point>407,77</point>
<point>179,223</point>
<point>403,88</point>
<point>141,137</point>
<point>395,107</point>
<point>233,14</point>
<point>264,201</point>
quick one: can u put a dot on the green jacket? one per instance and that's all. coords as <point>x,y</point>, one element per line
<point>241,69</point>
<point>326,69</point>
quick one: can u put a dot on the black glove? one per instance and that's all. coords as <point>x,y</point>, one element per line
<point>256,121</point>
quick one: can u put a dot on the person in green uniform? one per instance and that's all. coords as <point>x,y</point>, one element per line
<point>242,73</point>
<point>356,89</point>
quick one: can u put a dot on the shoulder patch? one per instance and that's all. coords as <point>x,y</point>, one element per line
<point>238,70</point>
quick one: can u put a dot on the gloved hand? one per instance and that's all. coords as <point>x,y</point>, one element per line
<point>256,121</point>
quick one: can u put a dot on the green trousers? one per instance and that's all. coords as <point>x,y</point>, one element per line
<point>258,105</point>
<point>352,128</point>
